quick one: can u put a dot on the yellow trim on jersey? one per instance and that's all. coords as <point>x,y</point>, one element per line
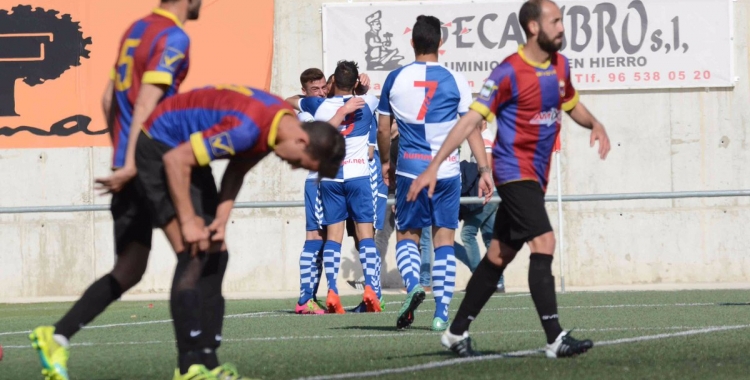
<point>483,110</point>
<point>145,132</point>
<point>542,66</point>
<point>169,15</point>
<point>113,74</point>
<point>570,104</point>
<point>275,127</point>
<point>199,149</point>
<point>157,77</point>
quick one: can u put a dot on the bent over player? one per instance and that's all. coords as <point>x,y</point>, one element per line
<point>183,135</point>
<point>527,93</point>
<point>152,63</point>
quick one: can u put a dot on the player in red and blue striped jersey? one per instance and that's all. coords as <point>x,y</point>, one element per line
<point>181,137</point>
<point>527,93</point>
<point>152,61</point>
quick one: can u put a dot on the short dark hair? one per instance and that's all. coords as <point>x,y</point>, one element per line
<point>426,35</point>
<point>310,75</point>
<point>346,75</point>
<point>530,11</point>
<point>326,146</point>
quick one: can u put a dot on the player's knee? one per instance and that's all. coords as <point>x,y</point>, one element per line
<point>544,243</point>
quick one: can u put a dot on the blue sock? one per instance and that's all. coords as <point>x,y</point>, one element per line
<point>378,264</point>
<point>307,269</point>
<point>443,279</point>
<point>331,262</point>
<point>369,253</point>
<point>318,267</point>
<point>404,262</point>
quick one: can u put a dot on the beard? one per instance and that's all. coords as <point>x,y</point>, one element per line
<point>548,44</point>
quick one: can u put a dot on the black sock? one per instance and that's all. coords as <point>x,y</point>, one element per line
<point>212,315</point>
<point>185,305</point>
<point>542,286</point>
<point>482,285</point>
<point>92,303</point>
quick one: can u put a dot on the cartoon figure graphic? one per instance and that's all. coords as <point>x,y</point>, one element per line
<point>379,56</point>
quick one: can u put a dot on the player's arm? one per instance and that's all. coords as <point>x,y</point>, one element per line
<point>178,165</point>
<point>231,183</point>
<point>581,115</point>
<point>351,105</point>
<point>107,98</point>
<point>384,146</point>
<point>294,101</point>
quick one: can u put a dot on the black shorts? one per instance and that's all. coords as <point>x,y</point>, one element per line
<point>132,223</point>
<point>154,188</point>
<point>351,228</point>
<point>521,215</point>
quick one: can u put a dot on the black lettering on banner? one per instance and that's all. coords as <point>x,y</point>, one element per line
<point>513,25</point>
<point>611,11</point>
<point>480,30</point>
<point>63,128</point>
<point>574,12</point>
<point>626,45</point>
<point>459,33</point>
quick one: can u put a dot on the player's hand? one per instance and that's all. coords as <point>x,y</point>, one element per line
<point>389,174</point>
<point>217,229</point>
<point>364,81</point>
<point>353,104</point>
<point>427,179</point>
<point>486,187</point>
<point>599,134</point>
<point>116,181</point>
<point>195,234</point>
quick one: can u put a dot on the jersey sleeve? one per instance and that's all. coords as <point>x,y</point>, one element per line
<point>495,93</point>
<point>570,99</point>
<point>464,92</point>
<point>225,139</point>
<point>384,107</point>
<point>305,117</point>
<point>310,104</point>
<point>167,56</point>
<point>373,138</point>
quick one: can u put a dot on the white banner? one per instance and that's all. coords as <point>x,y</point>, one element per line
<point>621,44</point>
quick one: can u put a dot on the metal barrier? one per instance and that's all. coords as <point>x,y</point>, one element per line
<point>464,200</point>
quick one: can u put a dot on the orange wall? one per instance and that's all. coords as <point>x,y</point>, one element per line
<point>231,43</point>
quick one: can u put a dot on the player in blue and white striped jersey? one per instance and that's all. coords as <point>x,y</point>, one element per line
<point>350,192</point>
<point>425,99</point>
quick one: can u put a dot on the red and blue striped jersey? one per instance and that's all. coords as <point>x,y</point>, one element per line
<point>220,122</point>
<point>154,50</point>
<point>527,98</point>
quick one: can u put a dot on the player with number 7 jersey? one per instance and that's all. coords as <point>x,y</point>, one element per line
<point>426,99</point>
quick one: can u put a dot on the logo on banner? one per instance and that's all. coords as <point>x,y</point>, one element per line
<point>379,55</point>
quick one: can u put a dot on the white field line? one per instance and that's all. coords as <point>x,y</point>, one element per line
<point>277,314</point>
<point>451,362</point>
<point>364,336</point>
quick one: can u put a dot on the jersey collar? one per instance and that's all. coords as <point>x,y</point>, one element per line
<point>169,15</point>
<point>542,66</point>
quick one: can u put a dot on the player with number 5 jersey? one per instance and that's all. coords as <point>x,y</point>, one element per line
<point>151,62</point>
<point>425,99</point>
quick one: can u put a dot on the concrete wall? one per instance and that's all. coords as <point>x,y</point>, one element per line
<point>662,141</point>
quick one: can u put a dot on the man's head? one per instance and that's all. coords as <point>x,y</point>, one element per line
<point>541,20</point>
<point>321,148</point>
<point>329,87</point>
<point>346,76</point>
<point>193,7</point>
<point>313,83</point>
<point>426,35</point>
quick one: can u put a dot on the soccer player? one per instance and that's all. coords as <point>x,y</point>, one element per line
<point>182,136</point>
<point>350,193</point>
<point>426,99</point>
<point>527,93</point>
<point>152,63</point>
<point>311,259</point>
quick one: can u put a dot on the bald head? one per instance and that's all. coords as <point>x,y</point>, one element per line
<point>541,20</point>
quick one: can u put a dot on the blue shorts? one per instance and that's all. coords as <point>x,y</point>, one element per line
<point>313,206</point>
<point>440,211</point>
<point>379,191</point>
<point>350,198</point>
